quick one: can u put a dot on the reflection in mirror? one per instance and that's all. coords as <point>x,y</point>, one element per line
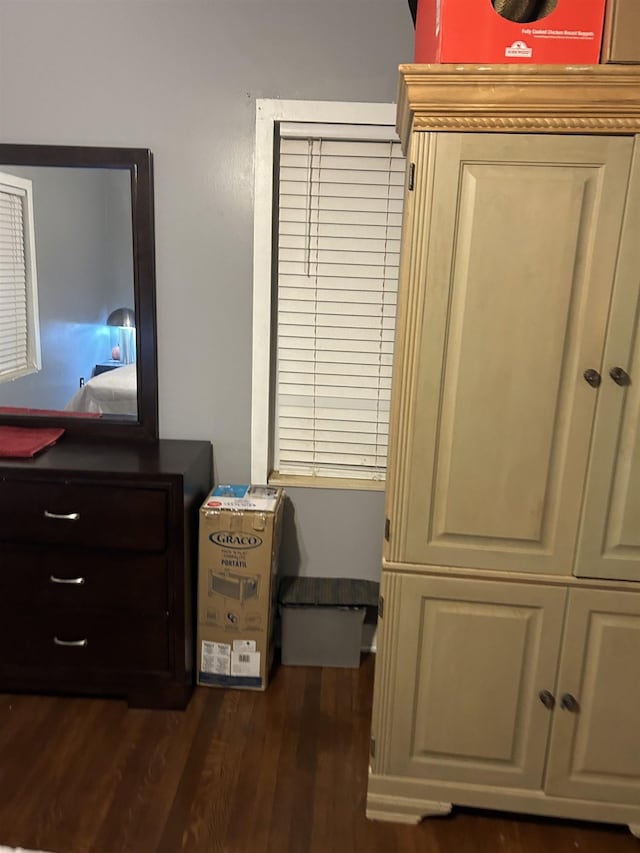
<point>95,292</point>
<point>84,262</point>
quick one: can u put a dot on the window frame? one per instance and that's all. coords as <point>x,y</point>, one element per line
<point>269,113</point>
<point>24,189</point>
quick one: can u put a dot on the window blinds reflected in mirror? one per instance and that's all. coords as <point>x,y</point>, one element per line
<point>19,326</point>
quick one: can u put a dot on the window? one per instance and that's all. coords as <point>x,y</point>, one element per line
<point>19,328</point>
<point>329,194</point>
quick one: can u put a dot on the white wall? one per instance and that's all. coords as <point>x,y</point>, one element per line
<point>181,77</point>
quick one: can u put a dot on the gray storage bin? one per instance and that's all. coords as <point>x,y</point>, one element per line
<point>322,620</point>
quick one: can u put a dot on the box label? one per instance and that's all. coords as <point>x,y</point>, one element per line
<point>244,645</point>
<point>243,498</point>
<point>216,658</point>
<point>230,490</point>
<point>231,539</point>
<point>245,663</point>
<point>518,48</point>
<point>240,660</point>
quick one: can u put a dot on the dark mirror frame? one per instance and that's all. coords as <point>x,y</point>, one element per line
<point>139,163</point>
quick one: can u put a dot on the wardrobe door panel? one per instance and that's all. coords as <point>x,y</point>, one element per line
<point>494,416</point>
<point>471,658</point>
<point>594,752</point>
<point>609,543</point>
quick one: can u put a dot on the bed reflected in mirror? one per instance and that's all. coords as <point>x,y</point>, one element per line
<point>109,393</point>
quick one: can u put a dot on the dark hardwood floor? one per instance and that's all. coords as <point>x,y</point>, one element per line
<point>237,772</point>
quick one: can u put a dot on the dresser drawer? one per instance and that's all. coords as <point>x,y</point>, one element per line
<point>84,639</point>
<point>40,576</point>
<point>83,514</point>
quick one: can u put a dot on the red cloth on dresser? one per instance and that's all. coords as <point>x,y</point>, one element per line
<point>27,441</point>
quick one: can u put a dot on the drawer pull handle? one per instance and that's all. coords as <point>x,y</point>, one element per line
<point>75,643</point>
<point>75,581</point>
<point>64,516</point>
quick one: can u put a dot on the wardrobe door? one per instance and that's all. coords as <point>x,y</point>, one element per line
<point>471,662</point>
<point>609,543</point>
<point>594,752</point>
<point>505,290</point>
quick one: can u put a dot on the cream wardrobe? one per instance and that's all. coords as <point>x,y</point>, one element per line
<point>508,666</point>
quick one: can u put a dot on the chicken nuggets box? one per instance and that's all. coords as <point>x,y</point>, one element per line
<point>509,31</point>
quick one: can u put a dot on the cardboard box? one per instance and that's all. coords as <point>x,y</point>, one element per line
<point>621,39</point>
<point>474,31</point>
<point>239,541</point>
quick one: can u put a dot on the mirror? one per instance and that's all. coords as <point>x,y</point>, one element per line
<point>95,270</point>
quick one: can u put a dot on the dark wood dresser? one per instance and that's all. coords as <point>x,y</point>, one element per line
<point>98,562</point>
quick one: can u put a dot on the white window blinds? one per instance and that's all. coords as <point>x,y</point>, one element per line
<point>339,220</point>
<point>19,336</point>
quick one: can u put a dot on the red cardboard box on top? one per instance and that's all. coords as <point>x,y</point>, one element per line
<point>568,31</point>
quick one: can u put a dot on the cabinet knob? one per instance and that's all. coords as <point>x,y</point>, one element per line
<point>548,699</point>
<point>592,377</point>
<point>620,376</point>
<point>569,703</point>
